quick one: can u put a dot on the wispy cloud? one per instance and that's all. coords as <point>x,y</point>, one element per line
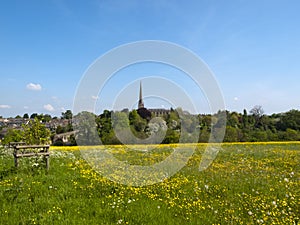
<point>5,106</point>
<point>49,108</point>
<point>34,87</point>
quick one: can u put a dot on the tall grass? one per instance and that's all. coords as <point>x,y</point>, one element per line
<point>246,184</point>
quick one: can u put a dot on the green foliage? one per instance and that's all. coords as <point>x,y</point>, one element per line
<point>46,118</point>
<point>59,129</point>
<point>137,124</point>
<point>36,133</point>
<point>33,115</point>
<point>204,135</point>
<point>232,134</point>
<point>120,121</point>
<point>173,116</point>
<point>172,136</point>
<point>13,135</point>
<point>290,120</point>
<point>67,115</point>
<point>240,127</point>
<point>85,123</point>
<point>292,135</point>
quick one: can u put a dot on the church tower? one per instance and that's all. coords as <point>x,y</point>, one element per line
<point>141,103</point>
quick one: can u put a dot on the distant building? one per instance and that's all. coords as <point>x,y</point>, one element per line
<point>159,112</point>
<point>54,123</point>
<point>64,137</point>
<point>15,123</point>
<point>148,113</point>
<point>141,102</point>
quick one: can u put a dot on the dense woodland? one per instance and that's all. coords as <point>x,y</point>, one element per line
<point>249,126</point>
<point>240,127</point>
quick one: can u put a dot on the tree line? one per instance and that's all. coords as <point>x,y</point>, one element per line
<point>128,127</point>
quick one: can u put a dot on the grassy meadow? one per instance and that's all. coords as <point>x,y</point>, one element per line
<point>249,183</point>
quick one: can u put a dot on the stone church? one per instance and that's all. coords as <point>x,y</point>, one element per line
<point>148,113</point>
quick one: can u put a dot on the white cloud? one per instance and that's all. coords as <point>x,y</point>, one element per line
<point>5,106</point>
<point>34,87</point>
<point>236,99</point>
<point>49,108</point>
<point>26,107</point>
<point>94,97</point>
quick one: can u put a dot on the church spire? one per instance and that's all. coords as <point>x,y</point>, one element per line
<point>141,103</point>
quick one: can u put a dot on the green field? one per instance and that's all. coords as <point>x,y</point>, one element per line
<point>246,184</point>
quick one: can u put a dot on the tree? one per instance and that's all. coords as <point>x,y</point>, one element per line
<point>290,119</point>
<point>73,140</point>
<point>59,130</point>
<point>13,135</point>
<point>104,125</point>
<point>205,120</point>
<point>26,116</point>
<point>36,133</point>
<point>46,118</point>
<point>138,125</point>
<point>231,134</point>
<point>245,119</point>
<point>258,135</point>
<point>172,136</point>
<point>33,115</point>
<point>85,123</point>
<point>173,119</point>
<point>292,135</point>
<point>219,119</point>
<point>257,112</point>
<point>67,115</point>
<point>130,126</point>
<point>134,117</point>
<point>233,119</point>
<point>204,135</point>
<point>120,120</point>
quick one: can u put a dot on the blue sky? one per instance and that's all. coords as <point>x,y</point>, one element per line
<point>252,47</point>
